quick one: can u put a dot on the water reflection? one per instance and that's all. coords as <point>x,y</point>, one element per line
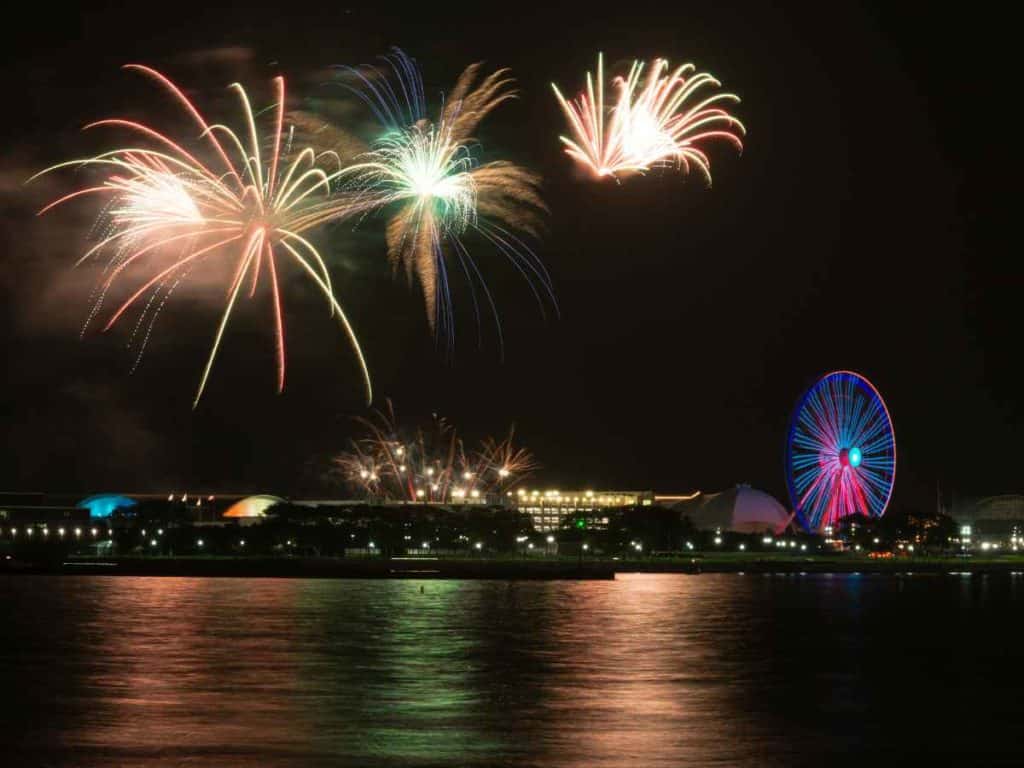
<point>646,670</point>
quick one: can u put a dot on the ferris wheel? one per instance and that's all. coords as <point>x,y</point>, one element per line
<point>840,452</point>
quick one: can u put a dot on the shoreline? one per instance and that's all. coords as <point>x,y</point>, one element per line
<point>319,568</point>
<point>497,568</point>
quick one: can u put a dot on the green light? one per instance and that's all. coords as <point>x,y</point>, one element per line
<point>581,523</point>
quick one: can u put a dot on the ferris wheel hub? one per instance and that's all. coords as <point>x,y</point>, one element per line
<point>850,457</point>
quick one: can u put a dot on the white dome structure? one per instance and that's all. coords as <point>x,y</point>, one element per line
<point>741,509</point>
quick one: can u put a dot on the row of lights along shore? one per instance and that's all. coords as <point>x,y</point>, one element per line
<point>44,530</point>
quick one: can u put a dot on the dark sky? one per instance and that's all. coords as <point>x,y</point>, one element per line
<point>865,226</point>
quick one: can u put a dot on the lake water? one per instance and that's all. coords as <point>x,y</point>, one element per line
<point>646,670</point>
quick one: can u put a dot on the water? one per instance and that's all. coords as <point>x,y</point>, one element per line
<point>648,670</point>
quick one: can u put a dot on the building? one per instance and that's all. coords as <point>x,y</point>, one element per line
<point>741,510</point>
<point>997,516</point>
<point>550,509</point>
<point>250,510</point>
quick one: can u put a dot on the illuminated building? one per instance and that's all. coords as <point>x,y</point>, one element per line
<point>251,509</point>
<point>741,509</point>
<point>549,509</point>
<point>105,504</point>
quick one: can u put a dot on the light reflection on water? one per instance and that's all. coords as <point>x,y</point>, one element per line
<point>648,670</point>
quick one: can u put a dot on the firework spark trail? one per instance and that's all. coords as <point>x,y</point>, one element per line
<point>250,211</point>
<point>657,123</point>
<point>425,172</point>
<point>431,463</point>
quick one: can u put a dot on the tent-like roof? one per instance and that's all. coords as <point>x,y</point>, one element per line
<point>252,506</point>
<point>104,504</point>
<point>741,509</point>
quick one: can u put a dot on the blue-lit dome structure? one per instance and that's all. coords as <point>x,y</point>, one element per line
<point>105,504</point>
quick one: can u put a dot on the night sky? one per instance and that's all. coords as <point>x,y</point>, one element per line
<point>865,226</point>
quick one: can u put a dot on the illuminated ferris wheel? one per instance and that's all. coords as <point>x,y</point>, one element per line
<point>840,452</point>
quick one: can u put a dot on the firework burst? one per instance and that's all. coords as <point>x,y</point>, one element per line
<point>431,463</point>
<point>425,172</point>
<point>168,211</point>
<point>654,122</point>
